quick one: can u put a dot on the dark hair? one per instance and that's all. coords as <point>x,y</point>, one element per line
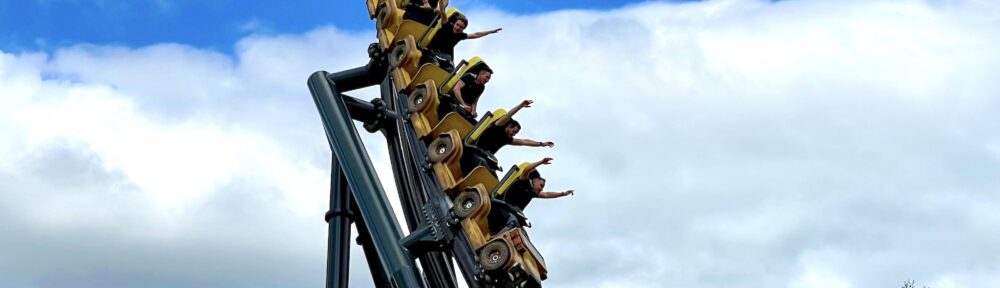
<point>514,123</point>
<point>535,175</point>
<point>456,17</point>
<point>486,69</point>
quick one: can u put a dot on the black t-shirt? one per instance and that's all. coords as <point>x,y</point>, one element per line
<point>494,138</point>
<point>471,91</point>
<point>445,39</point>
<point>415,12</point>
<point>519,194</point>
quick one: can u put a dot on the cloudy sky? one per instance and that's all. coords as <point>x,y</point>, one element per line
<point>721,143</point>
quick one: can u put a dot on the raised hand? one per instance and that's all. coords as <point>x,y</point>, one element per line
<point>526,103</point>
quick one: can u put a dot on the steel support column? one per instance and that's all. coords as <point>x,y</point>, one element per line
<point>368,193</point>
<point>338,219</point>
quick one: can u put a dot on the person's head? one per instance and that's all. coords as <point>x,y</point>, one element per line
<point>512,128</point>
<point>537,182</point>
<point>459,24</point>
<point>484,76</point>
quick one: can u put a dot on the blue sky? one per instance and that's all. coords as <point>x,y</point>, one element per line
<point>213,24</point>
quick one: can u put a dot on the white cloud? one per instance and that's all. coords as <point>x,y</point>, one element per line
<point>160,148</point>
<point>719,143</point>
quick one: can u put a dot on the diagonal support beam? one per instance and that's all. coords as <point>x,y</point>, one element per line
<point>360,174</point>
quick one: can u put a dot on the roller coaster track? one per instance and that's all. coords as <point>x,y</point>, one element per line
<point>435,235</point>
<point>356,194</point>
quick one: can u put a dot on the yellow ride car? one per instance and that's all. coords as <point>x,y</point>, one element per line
<point>423,100</point>
<point>509,256</point>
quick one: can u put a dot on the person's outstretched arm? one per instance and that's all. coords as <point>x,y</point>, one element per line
<point>532,143</point>
<point>533,165</point>
<point>551,195</point>
<point>506,117</point>
<point>483,33</point>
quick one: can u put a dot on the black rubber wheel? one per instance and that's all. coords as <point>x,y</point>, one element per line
<point>397,55</point>
<point>421,96</point>
<point>440,148</point>
<point>467,203</point>
<point>494,256</point>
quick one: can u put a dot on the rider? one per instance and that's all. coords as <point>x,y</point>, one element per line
<point>423,11</point>
<point>502,132</point>
<point>465,94</point>
<point>528,186</point>
<point>442,47</point>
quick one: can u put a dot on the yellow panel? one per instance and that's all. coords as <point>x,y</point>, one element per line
<point>437,26</point>
<point>531,248</point>
<point>384,39</point>
<point>410,59</point>
<point>397,18</point>
<point>445,176</point>
<point>372,4</point>
<point>531,266</point>
<point>388,27</point>
<point>456,154</point>
<point>400,77</point>
<point>410,28</point>
<point>421,120</point>
<point>529,260</point>
<point>476,226</point>
<point>452,121</point>
<point>420,125</point>
<point>512,175</point>
<point>428,72</point>
<point>390,24</point>
<point>476,237</point>
<point>446,89</point>
<point>432,101</point>
<point>482,126</point>
<point>479,175</point>
<point>485,211</point>
<point>449,168</point>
